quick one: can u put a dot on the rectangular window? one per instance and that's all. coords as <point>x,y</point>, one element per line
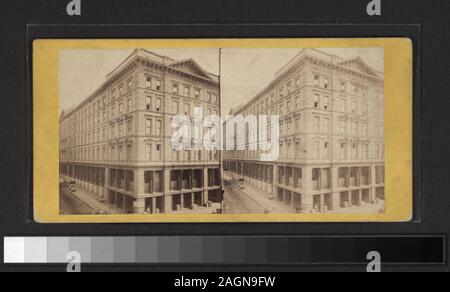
<point>158,85</point>
<point>197,93</point>
<point>130,127</point>
<point>316,100</point>
<point>120,130</point>
<point>343,104</point>
<point>326,150</point>
<point>120,108</point>
<point>128,154</point>
<point>326,125</point>
<point>187,91</point>
<point>175,88</point>
<point>148,82</point>
<point>158,127</point>
<point>129,105</point>
<point>364,109</point>
<point>326,83</point>
<point>354,128</point>
<point>175,107</point>
<point>365,151</point>
<point>316,124</point>
<point>316,149</point>
<point>159,152</point>
<point>316,80</point>
<point>343,150</point>
<point>326,102</point>
<point>343,86</point>
<point>148,126</point>
<point>342,127</point>
<point>187,109</point>
<point>354,107</point>
<point>175,155</point>
<point>364,129</point>
<point>158,104</point>
<point>355,150</point>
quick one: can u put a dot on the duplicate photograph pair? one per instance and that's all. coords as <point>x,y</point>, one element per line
<point>222,130</point>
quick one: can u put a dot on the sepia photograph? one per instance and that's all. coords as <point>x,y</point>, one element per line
<point>329,105</point>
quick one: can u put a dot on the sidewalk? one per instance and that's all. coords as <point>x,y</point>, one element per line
<point>92,201</point>
<point>199,210</point>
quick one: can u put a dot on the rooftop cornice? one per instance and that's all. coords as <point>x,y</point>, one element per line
<point>130,64</point>
<point>176,71</point>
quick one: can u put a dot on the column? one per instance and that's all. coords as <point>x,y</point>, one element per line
<point>101,183</point>
<point>138,183</point>
<point>168,204</point>
<point>360,201</point>
<point>96,180</point>
<point>307,203</point>
<point>322,203</point>
<point>275,180</point>
<point>86,177</point>
<point>106,183</point>
<point>373,180</point>
<point>139,206</point>
<point>76,174</point>
<point>153,205</point>
<point>91,179</point>
<point>335,194</point>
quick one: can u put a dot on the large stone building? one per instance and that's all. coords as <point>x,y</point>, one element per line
<point>117,142</point>
<point>331,134</point>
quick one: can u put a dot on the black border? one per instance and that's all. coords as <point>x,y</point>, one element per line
<point>412,32</point>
